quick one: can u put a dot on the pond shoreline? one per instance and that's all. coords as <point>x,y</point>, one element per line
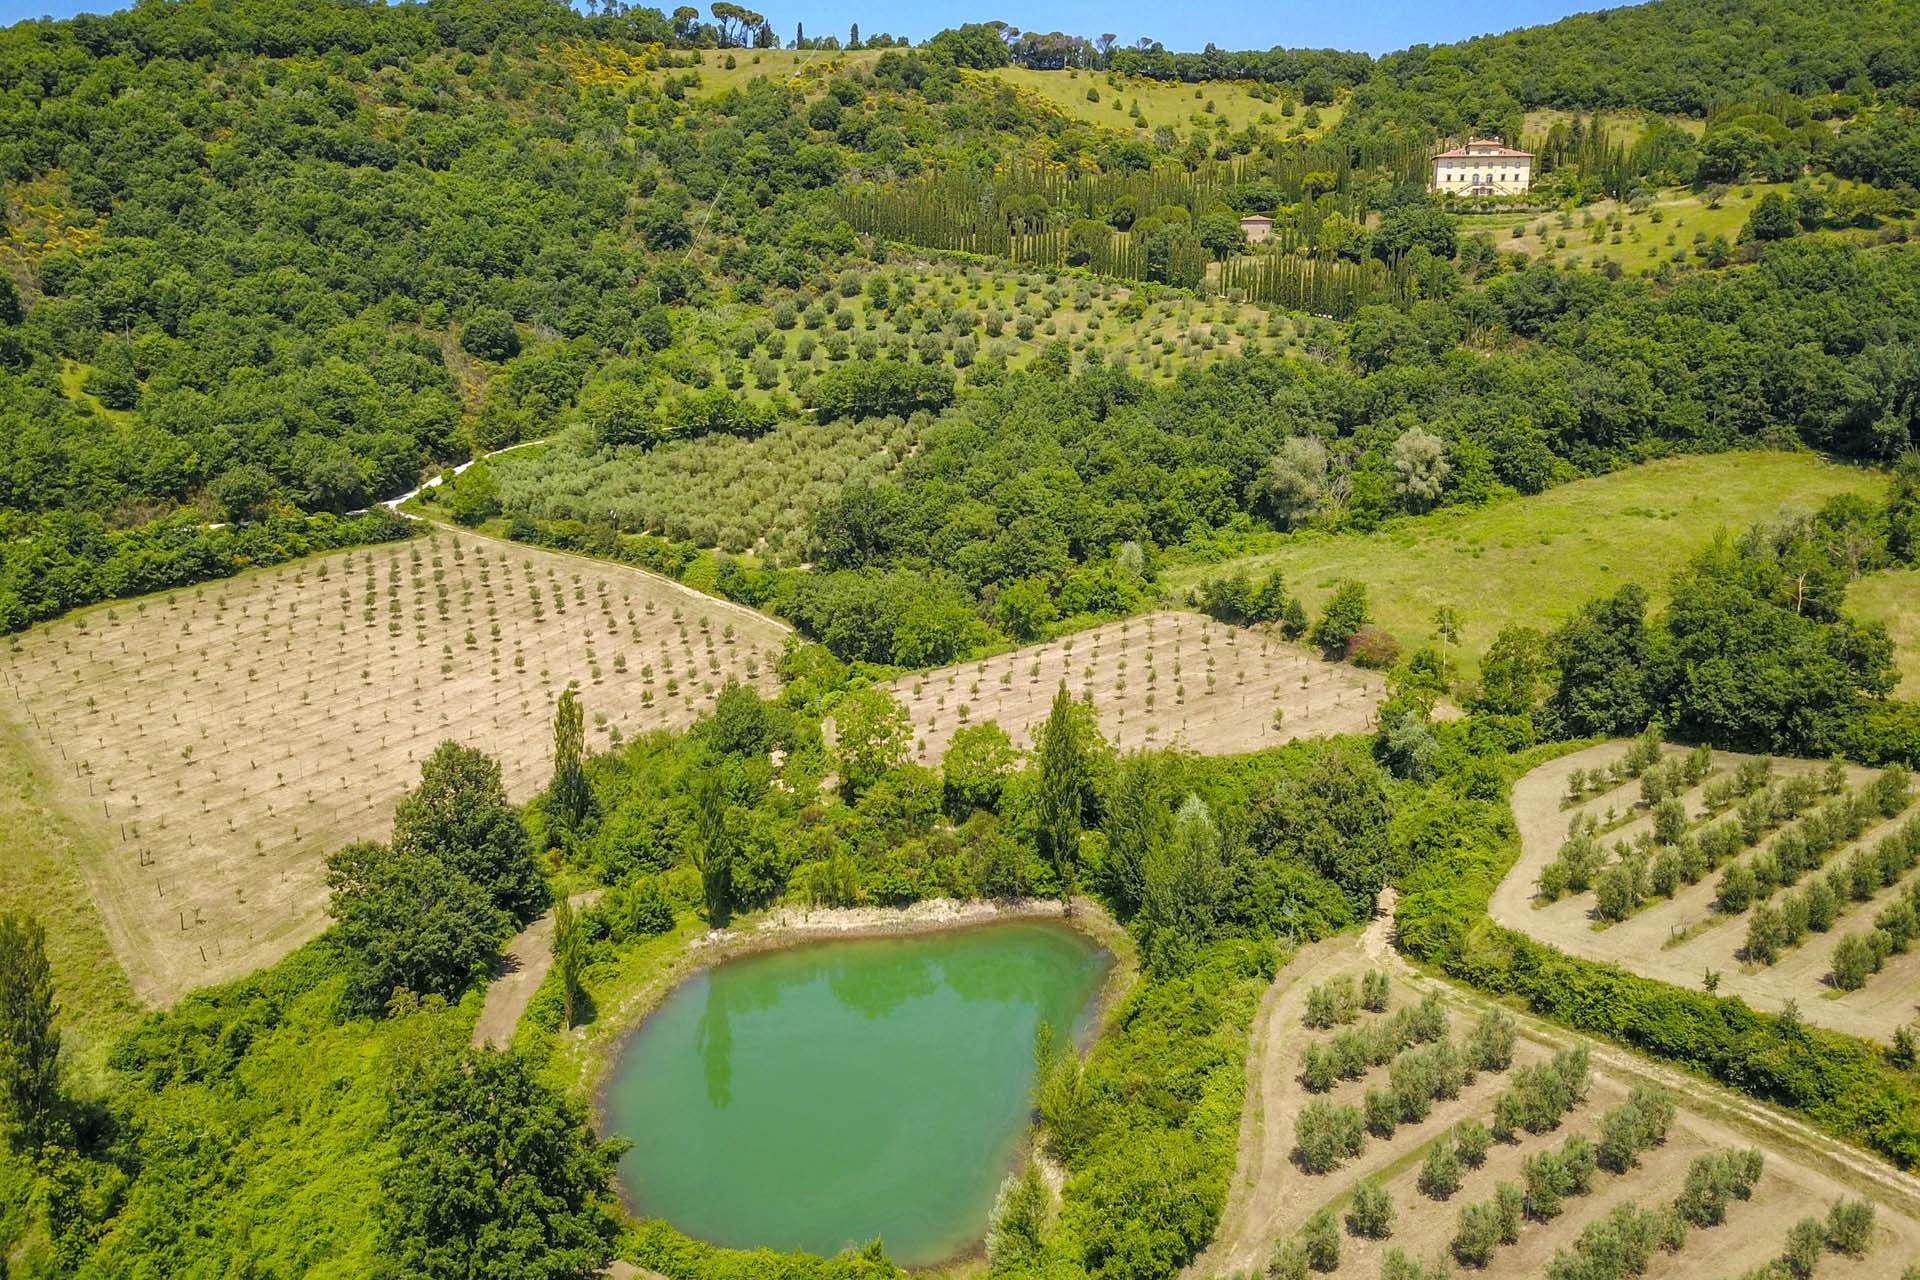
<point>783,928</point>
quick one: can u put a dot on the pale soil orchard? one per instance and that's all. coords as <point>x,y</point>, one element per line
<point>1272,1197</point>
<point>1160,680</point>
<point>1678,939</point>
<point>224,738</point>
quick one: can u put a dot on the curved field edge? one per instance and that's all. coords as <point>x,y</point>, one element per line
<point>1533,560</point>
<point>1272,1196</point>
<point>1842,1085</point>
<point>1136,1024</point>
<point>41,873</point>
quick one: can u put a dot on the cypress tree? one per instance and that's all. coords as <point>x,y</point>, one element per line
<point>29,1042</point>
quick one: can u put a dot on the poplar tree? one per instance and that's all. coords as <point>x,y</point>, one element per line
<point>713,844</point>
<point>29,1042</point>
<point>1063,784</point>
<point>567,945</point>
<point>569,794</point>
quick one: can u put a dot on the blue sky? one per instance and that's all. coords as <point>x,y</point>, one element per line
<point>1373,25</point>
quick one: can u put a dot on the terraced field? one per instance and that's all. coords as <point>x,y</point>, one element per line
<point>213,744</point>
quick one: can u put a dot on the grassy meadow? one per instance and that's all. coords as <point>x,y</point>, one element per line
<point>1533,560</point>
<point>1107,99</point>
<point>40,873</point>
<point>1892,597</point>
<point>1677,228</point>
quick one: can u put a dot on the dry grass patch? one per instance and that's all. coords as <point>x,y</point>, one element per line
<point>213,744</point>
<point>1168,679</point>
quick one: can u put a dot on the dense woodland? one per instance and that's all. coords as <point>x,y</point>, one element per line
<point>269,263</point>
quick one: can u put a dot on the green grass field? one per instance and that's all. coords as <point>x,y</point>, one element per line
<point>39,873</point>
<point>1533,560</point>
<point>1674,229</point>
<point>1164,104</point>
<point>1893,597</point>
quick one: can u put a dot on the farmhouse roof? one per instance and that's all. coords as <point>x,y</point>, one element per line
<point>1256,217</point>
<point>1500,151</point>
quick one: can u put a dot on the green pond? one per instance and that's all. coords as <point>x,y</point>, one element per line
<point>818,1096</point>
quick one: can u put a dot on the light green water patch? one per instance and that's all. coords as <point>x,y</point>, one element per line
<point>823,1095</point>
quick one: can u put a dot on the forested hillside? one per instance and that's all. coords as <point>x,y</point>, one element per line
<point>866,336</point>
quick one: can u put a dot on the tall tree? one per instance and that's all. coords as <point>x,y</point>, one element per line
<point>568,956</point>
<point>1064,779</point>
<point>569,794</point>
<point>410,921</point>
<point>1183,883</point>
<point>1139,819</point>
<point>459,813</point>
<point>29,1041</point>
<point>499,1177</point>
<point>713,843</point>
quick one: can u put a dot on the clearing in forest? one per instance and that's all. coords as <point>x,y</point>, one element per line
<point>218,741</point>
<point>1364,1095</point>
<point>1532,561</point>
<point>1160,680</point>
<point>1771,875</point>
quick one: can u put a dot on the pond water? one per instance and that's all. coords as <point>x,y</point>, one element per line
<point>821,1095</point>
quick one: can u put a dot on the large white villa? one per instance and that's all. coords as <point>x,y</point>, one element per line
<point>1484,167</point>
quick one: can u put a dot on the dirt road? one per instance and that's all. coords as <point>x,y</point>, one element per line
<point>529,955</point>
<point>1679,939</point>
<point>1270,1197</point>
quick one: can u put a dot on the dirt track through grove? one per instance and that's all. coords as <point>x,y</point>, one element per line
<point>1271,1197</point>
<point>1679,939</point>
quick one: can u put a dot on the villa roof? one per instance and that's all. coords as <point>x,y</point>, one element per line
<point>1500,151</point>
<point>1256,217</point>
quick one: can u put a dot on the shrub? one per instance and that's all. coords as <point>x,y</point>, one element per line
<point>1326,1134</point>
<point>1850,1226</point>
<point>1630,1128</point>
<point>1440,1173</point>
<point>1370,1212</point>
<point>1544,1177</point>
<point>1332,1003</point>
<point>1382,1113</point>
<point>1373,991</point>
<point>1490,1044</point>
<point>1853,962</point>
<point>1804,1242</point>
<point>1344,616</point>
<point>1712,1181</point>
<point>1320,1240</point>
<point>1472,1140</point>
<point>1373,648</point>
<point>1289,1261</point>
<point>1477,1235</point>
<point>1317,1068</point>
<point>1398,1266</point>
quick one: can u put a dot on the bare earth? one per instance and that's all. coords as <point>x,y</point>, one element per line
<point>223,738</point>
<point>1678,939</point>
<point>1271,1197</point>
<point>528,959</point>
<point>1168,679</point>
